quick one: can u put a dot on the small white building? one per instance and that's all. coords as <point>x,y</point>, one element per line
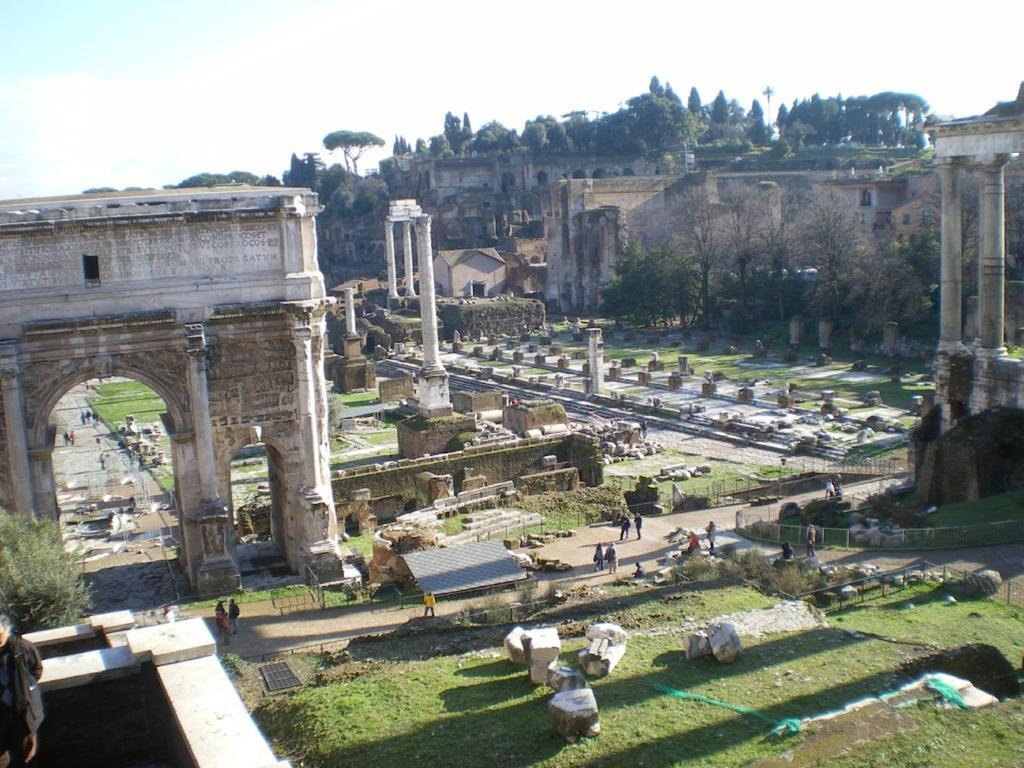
<point>470,272</point>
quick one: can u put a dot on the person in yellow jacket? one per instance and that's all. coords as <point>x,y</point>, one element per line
<point>429,601</point>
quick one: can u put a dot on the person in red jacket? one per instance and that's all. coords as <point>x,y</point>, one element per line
<point>21,703</point>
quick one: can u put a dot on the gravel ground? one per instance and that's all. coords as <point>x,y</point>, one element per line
<point>792,616</point>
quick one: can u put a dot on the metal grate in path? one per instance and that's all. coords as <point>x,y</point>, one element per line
<point>279,676</point>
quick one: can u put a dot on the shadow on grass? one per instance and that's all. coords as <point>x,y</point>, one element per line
<point>478,696</point>
<point>485,731</point>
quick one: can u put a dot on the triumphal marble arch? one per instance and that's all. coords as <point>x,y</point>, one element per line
<point>211,297</point>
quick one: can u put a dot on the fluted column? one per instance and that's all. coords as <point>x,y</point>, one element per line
<point>428,300</point>
<point>410,280</point>
<point>993,257</point>
<point>389,247</point>
<point>302,338</point>
<point>199,397</point>
<point>17,441</point>
<point>951,280</point>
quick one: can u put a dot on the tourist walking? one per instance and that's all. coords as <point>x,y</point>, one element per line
<point>21,702</point>
<point>599,558</point>
<point>711,531</point>
<point>71,437</point>
<point>221,617</point>
<point>613,558</point>
<point>812,536</point>
<point>233,613</point>
<point>624,530</point>
<point>638,523</point>
<point>830,489</point>
<point>429,601</point>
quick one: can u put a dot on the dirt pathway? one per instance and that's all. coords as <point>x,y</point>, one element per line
<point>268,633</point>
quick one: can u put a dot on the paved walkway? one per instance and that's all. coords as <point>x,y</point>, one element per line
<point>137,576</point>
<point>269,633</point>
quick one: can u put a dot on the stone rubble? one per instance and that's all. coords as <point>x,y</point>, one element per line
<point>725,642</point>
<point>514,646</point>
<point>565,679</point>
<point>574,714</point>
<point>541,648</point>
<point>606,649</point>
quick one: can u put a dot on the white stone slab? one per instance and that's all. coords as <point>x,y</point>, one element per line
<point>84,668</point>
<point>214,723</point>
<point>114,621</point>
<point>60,635</point>
<point>170,643</point>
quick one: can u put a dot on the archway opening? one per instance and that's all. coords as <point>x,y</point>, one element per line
<point>256,500</point>
<point>114,489</point>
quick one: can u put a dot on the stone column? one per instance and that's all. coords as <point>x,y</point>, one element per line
<point>317,534</point>
<point>302,339</point>
<point>43,483</point>
<point>217,571</point>
<point>595,344</point>
<point>350,312</point>
<point>389,247</point>
<point>17,440</point>
<point>199,396</point>
<point>410,280</point>
<point>433,392</point>
<point>428,304</point>
<point>951,324</point>
<point>993,269</point>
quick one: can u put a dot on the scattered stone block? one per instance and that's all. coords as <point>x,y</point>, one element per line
<point>574,714</point>
<point>565,679</point>
<point>514,644</point>
<point>697,645</point>
<point>541,648</point>
<point>725,642</point>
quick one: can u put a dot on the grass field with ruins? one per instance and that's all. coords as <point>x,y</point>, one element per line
<point>447,696</point>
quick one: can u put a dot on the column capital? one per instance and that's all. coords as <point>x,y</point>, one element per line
<point>10,370</point>
<point>991,163</point>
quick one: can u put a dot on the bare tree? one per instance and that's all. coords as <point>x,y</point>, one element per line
<point>833,239</point>
<point>777,234</point>
<point>699,231</point>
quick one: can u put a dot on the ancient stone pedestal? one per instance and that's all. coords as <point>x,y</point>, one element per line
<point>423,435</point>
<point>708,389</point>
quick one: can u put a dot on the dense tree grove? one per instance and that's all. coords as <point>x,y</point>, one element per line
<point>658,121</point>
<point>760,254</point>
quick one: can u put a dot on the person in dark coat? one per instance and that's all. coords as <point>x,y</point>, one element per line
<point>21,703</point>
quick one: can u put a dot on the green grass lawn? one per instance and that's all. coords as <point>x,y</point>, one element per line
<point>115,400</point>
<point>456,708</point>
<point>916,379</point>
<point>994,509</point>
<point>353,399</point>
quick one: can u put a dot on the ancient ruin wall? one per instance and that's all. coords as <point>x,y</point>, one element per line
<point>491,317</point>
<point>496,464</point>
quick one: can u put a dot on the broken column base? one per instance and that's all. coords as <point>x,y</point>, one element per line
<point>574,714</point>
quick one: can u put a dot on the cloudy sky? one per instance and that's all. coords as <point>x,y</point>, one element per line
<point>131,93</point>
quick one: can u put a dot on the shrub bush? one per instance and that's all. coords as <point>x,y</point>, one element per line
<point>41,585</point>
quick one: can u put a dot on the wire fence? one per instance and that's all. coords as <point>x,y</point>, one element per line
<point>764,525</point>
<point>884,583</point>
